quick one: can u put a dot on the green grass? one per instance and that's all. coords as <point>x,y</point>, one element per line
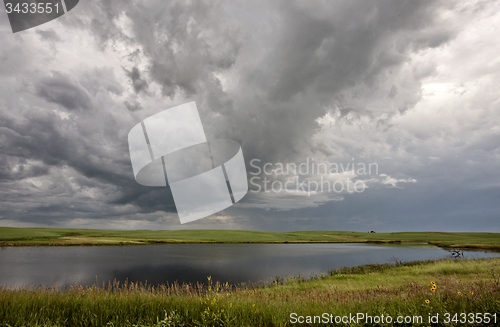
<point>376,289</point>
<point>68,236</point>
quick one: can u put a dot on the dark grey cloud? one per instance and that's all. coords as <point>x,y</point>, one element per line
<point>61,90</point>
<point>132,105</point>
<point>13,169</point>
<point>309,59</point>
<point>184,42</point>
<point>138,83</point>
<point>48,35</point>
<point>70,161</point>
<point>318,57</point>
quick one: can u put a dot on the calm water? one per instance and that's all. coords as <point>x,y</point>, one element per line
<point>191,263</point>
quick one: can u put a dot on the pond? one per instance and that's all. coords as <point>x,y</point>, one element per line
<point>191,263</point>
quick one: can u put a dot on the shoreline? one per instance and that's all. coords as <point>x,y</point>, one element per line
<point>10,237</point>
<point>464,247</point>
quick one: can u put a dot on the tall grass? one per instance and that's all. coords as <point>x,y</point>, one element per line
<point>414,288</point>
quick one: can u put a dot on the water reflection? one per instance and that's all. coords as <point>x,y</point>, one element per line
<point>191,263</point>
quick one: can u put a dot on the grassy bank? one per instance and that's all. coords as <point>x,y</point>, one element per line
<point>404,289</point>
<point>67,236</point>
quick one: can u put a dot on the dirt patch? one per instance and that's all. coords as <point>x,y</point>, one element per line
<point>96,240</point>
<point>338,236</point>
<point>441,233</point>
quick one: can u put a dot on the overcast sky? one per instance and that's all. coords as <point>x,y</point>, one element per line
<point>410,86</point>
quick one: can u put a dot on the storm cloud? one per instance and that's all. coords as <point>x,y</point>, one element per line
<point>408,85</point>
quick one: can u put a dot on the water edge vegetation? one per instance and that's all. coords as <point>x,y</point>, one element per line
<point>407,289</point>
<point>10,236</point>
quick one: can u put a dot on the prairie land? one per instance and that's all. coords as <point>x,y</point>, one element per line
<point>67,236</point>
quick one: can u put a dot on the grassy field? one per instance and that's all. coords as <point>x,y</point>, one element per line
<point>408,290</point>
<point>67,236</point>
